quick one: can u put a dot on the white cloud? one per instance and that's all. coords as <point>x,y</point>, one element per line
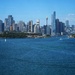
<point>71,18</point>
<point>71,14</point>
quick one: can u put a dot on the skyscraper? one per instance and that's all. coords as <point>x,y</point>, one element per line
<point>14,27</point>
<point>8,22</point>
<point>67,23</point>
<point>30,26</point>
<point>38,26</point>
<point>1,23</point>
<point>57,27</point>
<point>6,25</point>
<point>53,28</point>
<point>61,28</point>
<point>21,26</point>
<point>46,20</point>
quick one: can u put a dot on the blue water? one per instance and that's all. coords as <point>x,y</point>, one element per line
<point>41,56</point>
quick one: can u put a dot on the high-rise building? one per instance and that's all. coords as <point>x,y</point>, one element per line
<point>11,28</point>
<point>62,26</point>
<point>6,25</point>
<point>57,27</point>
<point>35,28</point>
<point>38,22</point>
<point>46,30</point>
<point>53,29</point>
<point>14,27</point>
<point>38,26</point>
<point>30,26</point>
<point>73,27</point>
<point>67,24</point>
<point>8,22</point>
<point>46,20</point>
<point>1,26</point>
<point>21,26</point>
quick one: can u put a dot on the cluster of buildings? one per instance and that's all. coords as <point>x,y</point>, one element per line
<point>56,28</point>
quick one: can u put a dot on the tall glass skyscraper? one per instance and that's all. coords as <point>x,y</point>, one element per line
<point>8,22</point>
<point>53,24</point>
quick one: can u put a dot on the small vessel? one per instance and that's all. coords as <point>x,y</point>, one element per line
<point>60,39</point>
<point>5,40</point>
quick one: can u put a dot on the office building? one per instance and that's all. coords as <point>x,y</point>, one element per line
<point>30,26</point>
<point>53,24</point>
<point>46,20</point>
<point>1,23</point>
<point>21,26</point>
<point>67,24</point>
<point>57,27</point>
<point>8,22</point>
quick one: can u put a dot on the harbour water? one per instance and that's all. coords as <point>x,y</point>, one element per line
<point>40,56</point>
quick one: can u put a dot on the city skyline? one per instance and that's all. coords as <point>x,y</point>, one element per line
<point>32,10</point>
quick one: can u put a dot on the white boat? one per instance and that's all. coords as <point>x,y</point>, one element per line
<point>5,40</point>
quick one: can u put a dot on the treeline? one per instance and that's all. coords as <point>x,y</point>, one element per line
<point>17,35</point>
<point>73,35</point>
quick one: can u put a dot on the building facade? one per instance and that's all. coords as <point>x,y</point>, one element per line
<point>53,24</point>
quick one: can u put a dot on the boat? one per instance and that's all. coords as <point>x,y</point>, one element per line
<point>5,40</point>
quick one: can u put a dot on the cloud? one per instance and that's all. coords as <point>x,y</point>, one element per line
<point>71,14</point>
<point>71,18</point>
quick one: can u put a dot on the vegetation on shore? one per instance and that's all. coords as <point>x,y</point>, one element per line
<point>17,35</point>
<point>73,35</point>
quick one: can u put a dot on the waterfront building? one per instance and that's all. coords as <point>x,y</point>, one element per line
<point>2,27</point>
<point>57,27</point>
<point>1,23</point>
<point>30,26</point>
<point>21,26</point>
<point>8,22</point>
<point>38,26</point>
<point>14,27</point>
<point>53,24</point>
<point>46,20</point>
<point>6,25</point>
<point>35,28</point>
<point>67,24</point>
<point>46,30</point>
<point>73,27</point>
<point>11,28</point>
<point>62,26</point>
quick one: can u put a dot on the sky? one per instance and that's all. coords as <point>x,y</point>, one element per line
<point>26,10</point>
